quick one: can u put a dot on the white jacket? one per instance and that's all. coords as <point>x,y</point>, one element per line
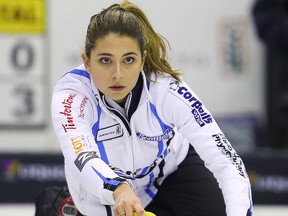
<point>102,147</point>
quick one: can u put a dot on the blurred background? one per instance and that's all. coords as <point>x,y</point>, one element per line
<point>240,74</point>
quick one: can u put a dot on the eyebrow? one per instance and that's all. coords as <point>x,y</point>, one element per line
<point>109,54</point>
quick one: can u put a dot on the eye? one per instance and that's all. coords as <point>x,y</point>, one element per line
<point>129,60</point>
<point>105,60</point>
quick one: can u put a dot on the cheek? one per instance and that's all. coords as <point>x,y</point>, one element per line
<point>135,71</point>
<point>99,74</point>
<point>133,77</point>
<point>99,78</point>
<point>138,71</point>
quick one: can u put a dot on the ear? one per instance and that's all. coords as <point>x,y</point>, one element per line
<point>144,57</point>
<point>86,61</point>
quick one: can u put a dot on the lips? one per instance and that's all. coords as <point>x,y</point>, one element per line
<point>117,87</point>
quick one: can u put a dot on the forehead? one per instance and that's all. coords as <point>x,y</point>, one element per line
<point>114,43</point>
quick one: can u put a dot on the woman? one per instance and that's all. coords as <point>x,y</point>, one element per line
<point>129,129</point>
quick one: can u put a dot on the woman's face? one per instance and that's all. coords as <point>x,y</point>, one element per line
<point>115,64</point>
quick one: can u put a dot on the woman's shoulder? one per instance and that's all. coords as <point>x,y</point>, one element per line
<point>75,80</point>
<point>163,81</point>
<point>76,77</point>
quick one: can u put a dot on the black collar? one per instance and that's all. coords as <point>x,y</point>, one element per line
<point>135,97</point>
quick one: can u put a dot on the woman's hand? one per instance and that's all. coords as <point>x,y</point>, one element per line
<point>126,202</point>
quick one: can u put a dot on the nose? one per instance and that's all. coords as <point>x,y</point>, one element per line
<point>117,74</point>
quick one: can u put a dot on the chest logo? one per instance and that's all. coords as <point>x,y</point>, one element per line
<point>168,134</point>
<point>109,133</point>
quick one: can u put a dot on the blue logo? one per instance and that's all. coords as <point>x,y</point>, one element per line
<point>168,134</point>
<point>201,117</point>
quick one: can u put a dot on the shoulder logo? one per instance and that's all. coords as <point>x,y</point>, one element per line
<point>202,117</point>
<point>174,85</point>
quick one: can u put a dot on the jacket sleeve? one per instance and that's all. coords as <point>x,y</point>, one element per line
<point>185,110</point>
<point>73,117</point>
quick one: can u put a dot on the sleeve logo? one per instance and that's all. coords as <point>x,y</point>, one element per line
<point>225,147</point>
<point>83,158</point>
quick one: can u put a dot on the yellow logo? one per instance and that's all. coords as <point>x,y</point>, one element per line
<point>22,16</point>
<point>77,144</point>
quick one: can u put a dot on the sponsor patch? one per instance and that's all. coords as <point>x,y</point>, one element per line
<point>82,107</point>
<point>77,144</point>
<point>80,142</point>
<point>109,133</point>
<point>168,134</point>
<point>225,147</point>
<point>201,116</point>
<point>67,105</point>
<point>83,158</point>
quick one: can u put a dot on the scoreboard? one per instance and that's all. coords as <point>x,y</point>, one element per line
<point>24,64</point>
